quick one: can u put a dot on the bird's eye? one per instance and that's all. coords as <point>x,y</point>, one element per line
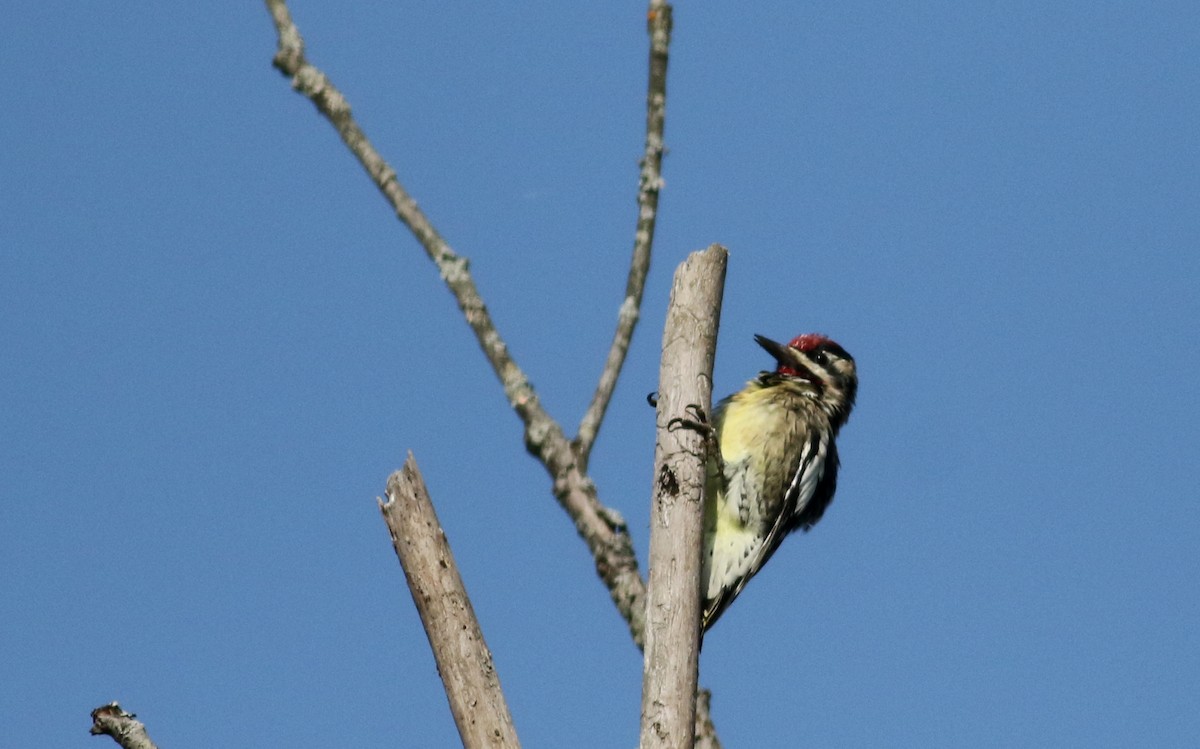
<point>820,357</point>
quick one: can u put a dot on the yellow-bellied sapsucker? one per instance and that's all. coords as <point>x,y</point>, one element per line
<point>778,462</point>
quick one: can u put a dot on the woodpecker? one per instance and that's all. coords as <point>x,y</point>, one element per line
<point>777,465</point>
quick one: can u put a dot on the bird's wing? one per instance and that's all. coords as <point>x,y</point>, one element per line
<point>744,562</point>
<point>806,485</point>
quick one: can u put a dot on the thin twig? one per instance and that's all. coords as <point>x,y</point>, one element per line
<point>650,183</point>
<point>676,518</point>
<point>602,529</point>
<point>463,659</point>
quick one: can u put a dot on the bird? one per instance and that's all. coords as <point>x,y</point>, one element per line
<point>776,462</point>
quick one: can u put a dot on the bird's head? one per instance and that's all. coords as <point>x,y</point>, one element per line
<point>820,361</point>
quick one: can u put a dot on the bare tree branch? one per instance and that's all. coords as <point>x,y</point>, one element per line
<point>649,184</point>
<point>123,727</point>
<point>677,514</point>
<point>706,732</point>
<point>602,529</point>
<point>463,659</point>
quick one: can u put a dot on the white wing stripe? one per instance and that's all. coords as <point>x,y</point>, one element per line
<point>808,474</point>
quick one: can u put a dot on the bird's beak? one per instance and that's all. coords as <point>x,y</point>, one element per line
<point>788,359</point>
<point>777,350</point>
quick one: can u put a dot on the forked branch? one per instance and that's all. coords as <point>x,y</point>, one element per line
<point>602,529</point>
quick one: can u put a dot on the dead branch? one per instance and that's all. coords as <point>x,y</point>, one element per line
<point>463,659</point>
<point>601,528</point>
<point>123,727</point>
<point>677,513</point>
<point>649,184</point>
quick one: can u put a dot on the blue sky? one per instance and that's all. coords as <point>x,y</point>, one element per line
<point>219,342</point>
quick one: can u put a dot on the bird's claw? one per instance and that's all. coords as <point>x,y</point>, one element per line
<point>699,422</point>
